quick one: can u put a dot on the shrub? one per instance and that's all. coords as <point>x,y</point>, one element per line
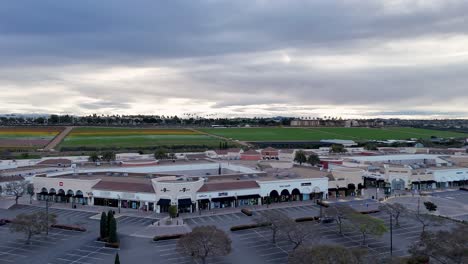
<point>250,226</point>
<point>247,212</point>
<point>306,219</point>
<point>167,237</point>
<point>69,227</point>
<point>173,211</point>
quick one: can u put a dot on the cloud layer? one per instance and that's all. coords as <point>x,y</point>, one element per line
<point>347,58</point>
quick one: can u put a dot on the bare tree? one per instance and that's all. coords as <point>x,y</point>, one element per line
<point>17,188</point>
<point>368,225</point>
<point>32,224</point>
<point>395,210</point>
<point>444,247</point>
<point>30,191</point>
<point>276,222</point>
<point>205,241</point>
<point>426,220</point>
<point>339,213</point>
<point>327,254</point>
<point>298,233</point>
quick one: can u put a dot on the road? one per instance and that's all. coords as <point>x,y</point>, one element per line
<point>57,139</point>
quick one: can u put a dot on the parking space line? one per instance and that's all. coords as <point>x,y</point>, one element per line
<point>15,248</point>
<point>217,216</point>
<point>86,257</point>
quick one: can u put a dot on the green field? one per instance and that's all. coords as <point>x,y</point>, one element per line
<point>89,137</point>
<point>313,134</point>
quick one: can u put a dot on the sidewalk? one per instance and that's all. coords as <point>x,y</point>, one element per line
<point>94,209</point>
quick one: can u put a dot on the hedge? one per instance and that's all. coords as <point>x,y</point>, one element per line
<point>370,212</point>
<point>324,204</point>
<point>250,226</point>
<point>167,237</point>
<point>112,245</point>
<point>247,212</point>
<point>306,219</point>
<point>69,227</point>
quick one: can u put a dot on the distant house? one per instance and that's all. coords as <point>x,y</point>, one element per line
<point>270,153</point>
<point>286,154</point>
<point>227,154</point>
<point>251,155</point>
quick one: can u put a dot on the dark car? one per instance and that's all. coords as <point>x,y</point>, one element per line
<point>327,220</point>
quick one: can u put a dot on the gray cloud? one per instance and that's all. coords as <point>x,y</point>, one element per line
<point>230,55</point>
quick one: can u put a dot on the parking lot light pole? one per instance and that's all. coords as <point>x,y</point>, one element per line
<point>391,234</point>
<point>47,216</point>
<point>118,205</point>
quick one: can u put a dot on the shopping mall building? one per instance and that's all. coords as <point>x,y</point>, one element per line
<point>190,186</point>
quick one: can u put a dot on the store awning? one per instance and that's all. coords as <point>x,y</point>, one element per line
<point>254,196</point>
<point>164,202</point>
<point>221,199</point>
<point>185,202</point>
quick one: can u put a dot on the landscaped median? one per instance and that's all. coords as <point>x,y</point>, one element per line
<point>69,227</point>
<point>307,219</point>
<point>249,226</point>
<point>167,237</point>
<point>247,212</point>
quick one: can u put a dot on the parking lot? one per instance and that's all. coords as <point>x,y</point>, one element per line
<point>228,220</point>
<point>91,252</point>
<point>13,248</point>
<point>168,254</point>
<point>128,225</point>
<point>63,215</point>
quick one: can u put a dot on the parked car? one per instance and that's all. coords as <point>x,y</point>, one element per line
<point>327,220</point>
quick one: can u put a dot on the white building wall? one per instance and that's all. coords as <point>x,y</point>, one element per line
<point>316,185</point>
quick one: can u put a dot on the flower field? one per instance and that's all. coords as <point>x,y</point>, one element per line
<point>128,138</point>
<point>27,137</point>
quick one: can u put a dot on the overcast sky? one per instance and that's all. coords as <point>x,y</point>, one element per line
<point>348,58</point>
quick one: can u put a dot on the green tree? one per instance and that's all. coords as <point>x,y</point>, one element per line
<point>368,225</point>
<point>108,156</point>
<point>370,146</point>
<point>32,224</point>
<point>103,226</point>
<point>160,154</point>
<point>113,238</point>
<point>337,148</point>
<point>300,157</point>
<point>117,259</point>
<point>94,157</point>
<point>173,211</point>
<point>313,159</point>
<point>430,206</point>
<point>110,216</point>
